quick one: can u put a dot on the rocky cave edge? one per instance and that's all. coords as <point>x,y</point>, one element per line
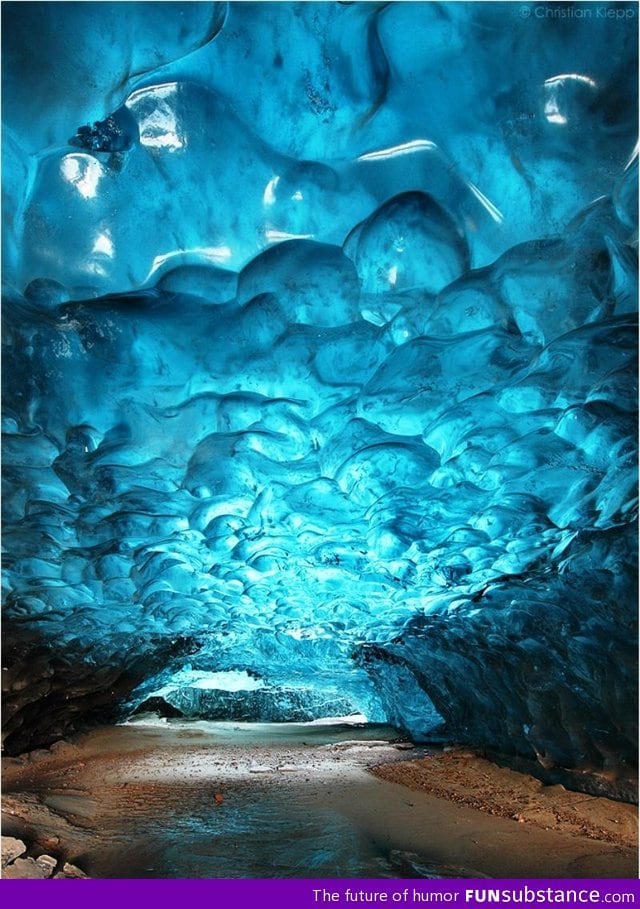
<point>319,365</point>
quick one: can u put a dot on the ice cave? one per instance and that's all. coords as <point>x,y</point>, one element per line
<point>319,371</point>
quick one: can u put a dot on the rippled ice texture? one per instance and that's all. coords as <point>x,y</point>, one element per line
<point>319,363</point>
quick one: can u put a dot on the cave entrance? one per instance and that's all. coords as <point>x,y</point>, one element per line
<point>385,694</point>
<point>248,696</point>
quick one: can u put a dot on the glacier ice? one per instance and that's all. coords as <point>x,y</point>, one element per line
<point>410,241</point>
<point>319,368</point>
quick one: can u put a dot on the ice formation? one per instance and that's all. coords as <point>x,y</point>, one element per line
<point>319,365</point>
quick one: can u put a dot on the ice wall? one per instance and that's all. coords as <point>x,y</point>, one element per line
<point>319,364</point>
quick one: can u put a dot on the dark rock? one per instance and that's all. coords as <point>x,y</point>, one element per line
<point>159,706</point>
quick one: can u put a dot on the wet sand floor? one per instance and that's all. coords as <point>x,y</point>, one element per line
<point>222,800</point>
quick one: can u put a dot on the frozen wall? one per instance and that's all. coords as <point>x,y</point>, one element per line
<point>320,365</point>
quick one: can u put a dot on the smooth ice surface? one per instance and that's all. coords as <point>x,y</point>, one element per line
<point>320,346</point>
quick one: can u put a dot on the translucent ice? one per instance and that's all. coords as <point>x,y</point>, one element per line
<point>320,369</point>
<point>408,242</point>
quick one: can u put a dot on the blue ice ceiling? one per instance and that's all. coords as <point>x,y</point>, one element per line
<point>319,365</point>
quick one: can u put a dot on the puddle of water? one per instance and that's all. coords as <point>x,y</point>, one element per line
<point>144,803</point>
<point>252,835</point>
